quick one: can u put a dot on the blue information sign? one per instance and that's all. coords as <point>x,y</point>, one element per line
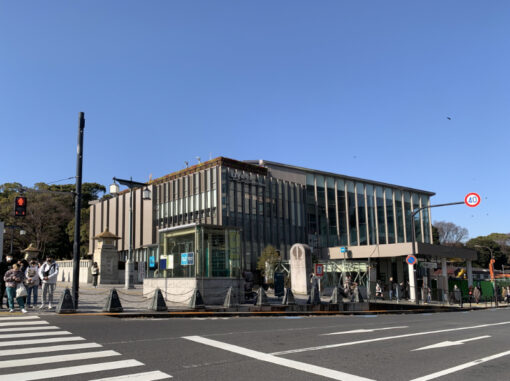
<point>152,262</point>
<point>343,249</point>
<point>187,259</point>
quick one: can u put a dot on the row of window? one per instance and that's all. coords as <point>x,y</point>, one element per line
<point>342,212</point>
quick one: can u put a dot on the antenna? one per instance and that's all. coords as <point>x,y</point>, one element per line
<point>198,158</point>
<point>187,164</point>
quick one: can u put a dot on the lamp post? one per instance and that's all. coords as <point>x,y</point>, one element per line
<point>413,236</point>
<point>491,268</point>
<point>146,195</point>
<point>21,232</point>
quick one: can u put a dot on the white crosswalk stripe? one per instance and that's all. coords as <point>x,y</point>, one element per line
<point>19,318</point>
<point>34,330</point>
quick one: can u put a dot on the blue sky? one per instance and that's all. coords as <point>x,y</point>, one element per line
<point>362,88</point>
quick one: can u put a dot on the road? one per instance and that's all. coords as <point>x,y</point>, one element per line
<point>445,346</point>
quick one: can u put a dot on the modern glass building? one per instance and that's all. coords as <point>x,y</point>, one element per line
<point>268,203</point>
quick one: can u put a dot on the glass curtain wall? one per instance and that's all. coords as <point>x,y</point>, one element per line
<point>351,202</point>
<point>407,212</point>
<point>426,218</point>
<point>381,220</point>
<point>371,214</point>
<point>342,214</point>
<point>333,234</point>
<point>362,218</point>
<point>399,215</point>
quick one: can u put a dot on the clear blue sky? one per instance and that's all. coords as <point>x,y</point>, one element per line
<point>362,88</point>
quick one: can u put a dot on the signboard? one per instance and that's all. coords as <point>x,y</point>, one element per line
<point>279,284</point>
<point>429,265</point>
<point>152,262</point>
<point>472,199</point>
<point>319,269</point>
<point>162,263</point>
<point>170,262</point>
<point>343,249</point>
<point>411,260</point>
<point>187,259</point>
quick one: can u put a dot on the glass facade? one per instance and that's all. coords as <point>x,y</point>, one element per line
<point>198,251</point>
<point>322,211</point>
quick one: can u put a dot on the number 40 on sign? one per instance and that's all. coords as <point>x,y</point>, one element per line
<point>472,199</point>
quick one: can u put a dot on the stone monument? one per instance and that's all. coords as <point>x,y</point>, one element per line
<point>106,257</point>
<point>31,252</point>
<point>300,268</point>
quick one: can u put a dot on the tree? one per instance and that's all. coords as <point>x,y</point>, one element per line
<point>450,234</point>
<point>50,212</point>
<point>483,246</point>
<point>269,255</point>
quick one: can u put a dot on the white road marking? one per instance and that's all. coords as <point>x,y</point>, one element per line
<point>19,318</point>
<point>39,341</point>
<point>23,323</point>
<point>146,376</point>
<point>58,358</point>
<point>450,343</point>
<point>363,330</point>
<point>386,338</point>
<point>70,371</point>
<point>33,334</point>
<point>309,368</point>
<point>54,348</point>
<point>461,367</point>
<point>24,329</point>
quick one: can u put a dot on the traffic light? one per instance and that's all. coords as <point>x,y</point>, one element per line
<point>20,206</point>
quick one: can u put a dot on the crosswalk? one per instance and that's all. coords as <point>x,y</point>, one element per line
<point>22,336</point>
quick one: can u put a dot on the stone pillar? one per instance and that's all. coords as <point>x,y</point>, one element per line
<point>107,257</point>
<point>412,283</point>
<point>300,268</point>
<point>469,269</point>
<point>444,278</point>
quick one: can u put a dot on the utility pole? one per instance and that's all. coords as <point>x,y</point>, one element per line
<point>77,209</point>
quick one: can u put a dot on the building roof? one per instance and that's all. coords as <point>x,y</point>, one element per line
<point>331,174</point>
<point>223,161</point>
<point>106,234</point>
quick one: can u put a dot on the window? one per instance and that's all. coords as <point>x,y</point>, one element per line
<point>360,190</point>
<point>351,200</point>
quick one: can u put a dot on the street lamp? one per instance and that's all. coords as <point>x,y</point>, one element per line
<point>413,236</point>
<point>12,227</point>
<point>146,195</point>
<point>491,267</point>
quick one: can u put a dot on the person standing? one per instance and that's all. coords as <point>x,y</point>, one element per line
<point>12,279</point>
<point>391,288</point>
<point>48,273</point>
<point>32,282</point>
<point>94,270</point>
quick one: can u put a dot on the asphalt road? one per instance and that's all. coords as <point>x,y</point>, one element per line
<point>446,346</point>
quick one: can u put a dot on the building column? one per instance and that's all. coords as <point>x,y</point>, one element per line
<point>469,266</point>
<point>412,282</point>
<point>444,276</point>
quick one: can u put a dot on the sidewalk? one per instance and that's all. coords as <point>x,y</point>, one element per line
<point>135,303</point>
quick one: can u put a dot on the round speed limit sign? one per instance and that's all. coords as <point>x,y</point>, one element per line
<point>472,199</point>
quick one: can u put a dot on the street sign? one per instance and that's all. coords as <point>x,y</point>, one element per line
<point>411,260</point>
<point>187,259</point>
<point>472,199</point>
<point>319,269</point>
<point>343,249</point>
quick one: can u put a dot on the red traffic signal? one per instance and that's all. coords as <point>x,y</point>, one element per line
<point>20,206</point>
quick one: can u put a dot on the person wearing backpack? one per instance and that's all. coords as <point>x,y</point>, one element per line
<point>48,273</point>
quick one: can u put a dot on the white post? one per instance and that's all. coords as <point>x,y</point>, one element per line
<point>412,283</point>
<point>469,267</point>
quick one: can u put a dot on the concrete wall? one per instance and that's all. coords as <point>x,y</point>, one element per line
<point>66,271</point>
<point>178,291</point>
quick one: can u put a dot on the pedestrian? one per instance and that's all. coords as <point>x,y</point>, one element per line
<point>48,273</point>
<point>429,294</point>
<point>391,288</point>
<point>398,291</point>
<point>94,270</point>
<point>32,282</point>
<point>378,291</point>
<point>3,270</point>
<point>14,280</point>
<point>508,294</point>
<point>477,293</point>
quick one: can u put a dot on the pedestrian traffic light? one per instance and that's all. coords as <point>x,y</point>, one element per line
<point>20,206</point>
